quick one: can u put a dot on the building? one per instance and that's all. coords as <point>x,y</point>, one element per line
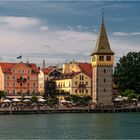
<point>19,78</point>
<point>45,79</point>
<point>102,69</point>
<point>77,83</point>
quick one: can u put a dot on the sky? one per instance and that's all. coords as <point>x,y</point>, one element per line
<point>63,31</point>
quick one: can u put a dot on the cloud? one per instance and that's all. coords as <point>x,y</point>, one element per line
<point>18,22</point>
<point>126,34</point>
<point>54,45</point>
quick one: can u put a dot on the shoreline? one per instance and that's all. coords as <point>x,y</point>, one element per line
<point>80,110</point>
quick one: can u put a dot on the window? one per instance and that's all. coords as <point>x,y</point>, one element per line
<point>23,71</point>
<point>21,84</point>
<point>18,71</point>
<point>82,77</point>
<point>75,83</point>
<point>28,78</point>
<point>86,91</point>
<point>101,58</point>
<point>104,90</point>
<point>13,84</point>
<point>76,91</point>
<point>28,84</point>
<point>79,91</point>
<point>69,84</point>
<point>7,77</point>
<point>28,71</point>
<point>86,83</point>
<point>34,84</point>
<point>13,92</point>
<point>63,84</point>
<point>8,84</point>
<point>104,70</point>
<point>82,91</point>
<point>28,91</point>
<point>21,91</point>
<point>108,58</point>
<point>14,78</point>
<point>13,71</point>
<point>104,80</point>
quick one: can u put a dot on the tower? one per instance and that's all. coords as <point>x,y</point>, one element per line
<point>102,59</point>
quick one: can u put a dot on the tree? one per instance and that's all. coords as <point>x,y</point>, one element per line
<point>127,72</point>
<point>131,96</point>
<point>2,94</point>
<point>127,92</point>
<point>34,99</point>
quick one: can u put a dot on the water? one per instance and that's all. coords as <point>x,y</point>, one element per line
<point>70,126</point>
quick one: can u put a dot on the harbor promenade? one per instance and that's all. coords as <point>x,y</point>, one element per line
<point>40,110</point>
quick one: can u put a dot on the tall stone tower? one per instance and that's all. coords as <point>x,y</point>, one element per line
<point>102,64</point>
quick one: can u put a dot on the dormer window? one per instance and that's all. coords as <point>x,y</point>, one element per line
<point>101,58</point>
<point>108,58</point>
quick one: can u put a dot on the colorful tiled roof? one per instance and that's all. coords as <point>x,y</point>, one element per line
<point>6,67</point>
<point>102,44</point>
<point>86,68</point>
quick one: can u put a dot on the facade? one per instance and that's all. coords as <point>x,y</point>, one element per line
<point>77,83</point>
<point>19,78</point>
<point>102,70</point>
<point>45,79</point>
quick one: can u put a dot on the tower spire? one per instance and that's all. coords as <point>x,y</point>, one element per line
<point>102,44</point>
<point>102,16</point>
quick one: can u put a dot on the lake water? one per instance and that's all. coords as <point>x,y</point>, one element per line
<point>71,126</point>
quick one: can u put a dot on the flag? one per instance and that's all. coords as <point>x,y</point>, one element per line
<point>19,57</point>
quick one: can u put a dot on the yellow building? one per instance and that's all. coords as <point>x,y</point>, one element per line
<point>77,83</point>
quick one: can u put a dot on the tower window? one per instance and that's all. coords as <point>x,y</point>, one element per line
<point>101,58</point>
<point>104,90</point>
<point>104,80</point>
<point>108,58</point>
<point>104,70</point>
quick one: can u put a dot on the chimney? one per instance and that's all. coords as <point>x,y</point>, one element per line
<point>43,64</point>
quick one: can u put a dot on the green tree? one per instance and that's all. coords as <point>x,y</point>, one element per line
<point>127,92</point>
<point>131,96</point>
<point>127,72</point>
<point>34,99</point>
<point>2,94</point>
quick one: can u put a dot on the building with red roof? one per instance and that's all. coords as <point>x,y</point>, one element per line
<point>19,78</point>
<point>45,78</point>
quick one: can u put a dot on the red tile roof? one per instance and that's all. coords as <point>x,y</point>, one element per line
<point>49,69</point>
<point>6,67</point>
<point>46,70</point>
<point>86,68</point>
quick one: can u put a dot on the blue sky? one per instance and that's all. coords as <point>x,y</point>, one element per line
<point>60,31</point>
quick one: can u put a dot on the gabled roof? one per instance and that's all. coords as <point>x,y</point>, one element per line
<point>6,67</point>
<point>46,70</point>
<point>86,68</point>
<point>49,69</point>
<point>102,44</point>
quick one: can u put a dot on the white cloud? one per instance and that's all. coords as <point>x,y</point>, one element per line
<point>126,34</point>
<point>120,34</point>
<point>44,28</point>
<point>56,46</point>
<point>18,22</point>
